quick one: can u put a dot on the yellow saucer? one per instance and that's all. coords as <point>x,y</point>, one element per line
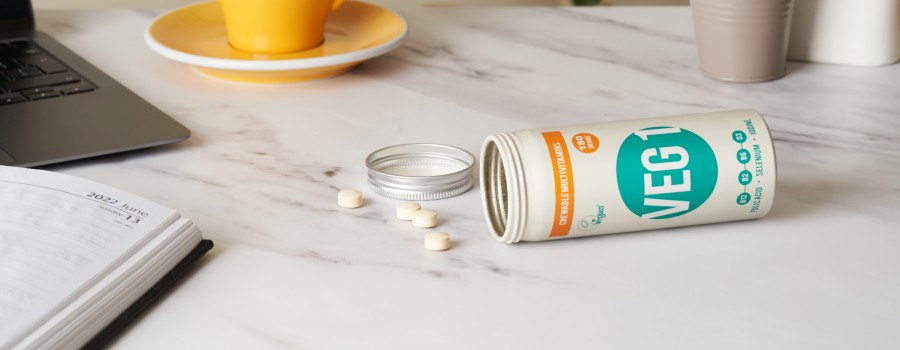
<point>195,34</point>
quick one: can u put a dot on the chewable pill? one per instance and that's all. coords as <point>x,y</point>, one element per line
<point>437,241</point>
<point>424,218</point>
<point>405,210</point>
<point>350,198</point>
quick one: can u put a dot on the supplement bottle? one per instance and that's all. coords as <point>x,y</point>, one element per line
<point>644,174</point>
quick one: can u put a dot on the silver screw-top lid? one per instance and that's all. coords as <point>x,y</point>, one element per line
<point>420,171</point>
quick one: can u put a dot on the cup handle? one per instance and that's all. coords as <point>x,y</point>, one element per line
<point>336,4</point>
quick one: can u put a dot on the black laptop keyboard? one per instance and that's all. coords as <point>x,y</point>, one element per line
<point>28,74</point>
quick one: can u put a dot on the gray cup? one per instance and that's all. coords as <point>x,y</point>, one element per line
<point>742,41</point>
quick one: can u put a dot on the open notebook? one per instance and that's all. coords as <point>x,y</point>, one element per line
<point>79,260</point>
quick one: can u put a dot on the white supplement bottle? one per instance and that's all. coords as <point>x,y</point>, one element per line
<point>643,174</point>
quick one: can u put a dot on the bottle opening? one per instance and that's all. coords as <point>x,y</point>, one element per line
<point>502,188</point>
<point>494,190</point>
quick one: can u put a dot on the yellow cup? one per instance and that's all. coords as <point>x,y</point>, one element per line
<point>276,26</point>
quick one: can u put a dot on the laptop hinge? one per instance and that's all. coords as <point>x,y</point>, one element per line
<point>16,15</point>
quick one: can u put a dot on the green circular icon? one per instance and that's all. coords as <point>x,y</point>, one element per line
<point>739,136</point>
<point>745,177</point>
<point>664,172</point>
<point>743,198</point>
<point>743,156</point>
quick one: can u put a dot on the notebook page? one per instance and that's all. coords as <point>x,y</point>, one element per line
<point>90,312</point>
<point>59,235</point>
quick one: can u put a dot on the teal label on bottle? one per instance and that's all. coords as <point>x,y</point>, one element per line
<point>665,172</point>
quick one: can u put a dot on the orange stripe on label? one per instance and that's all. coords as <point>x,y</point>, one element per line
<point>565,183</point>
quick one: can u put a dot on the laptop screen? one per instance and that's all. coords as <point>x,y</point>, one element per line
<point>15,15</point>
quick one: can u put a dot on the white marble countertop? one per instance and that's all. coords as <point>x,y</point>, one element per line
<point>291,270</point>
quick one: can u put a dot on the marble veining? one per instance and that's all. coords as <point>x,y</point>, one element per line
<point>292,270</point>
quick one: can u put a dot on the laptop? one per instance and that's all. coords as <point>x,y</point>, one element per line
<point>57,107</point>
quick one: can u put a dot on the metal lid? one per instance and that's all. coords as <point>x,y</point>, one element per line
<point>420,171</point>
